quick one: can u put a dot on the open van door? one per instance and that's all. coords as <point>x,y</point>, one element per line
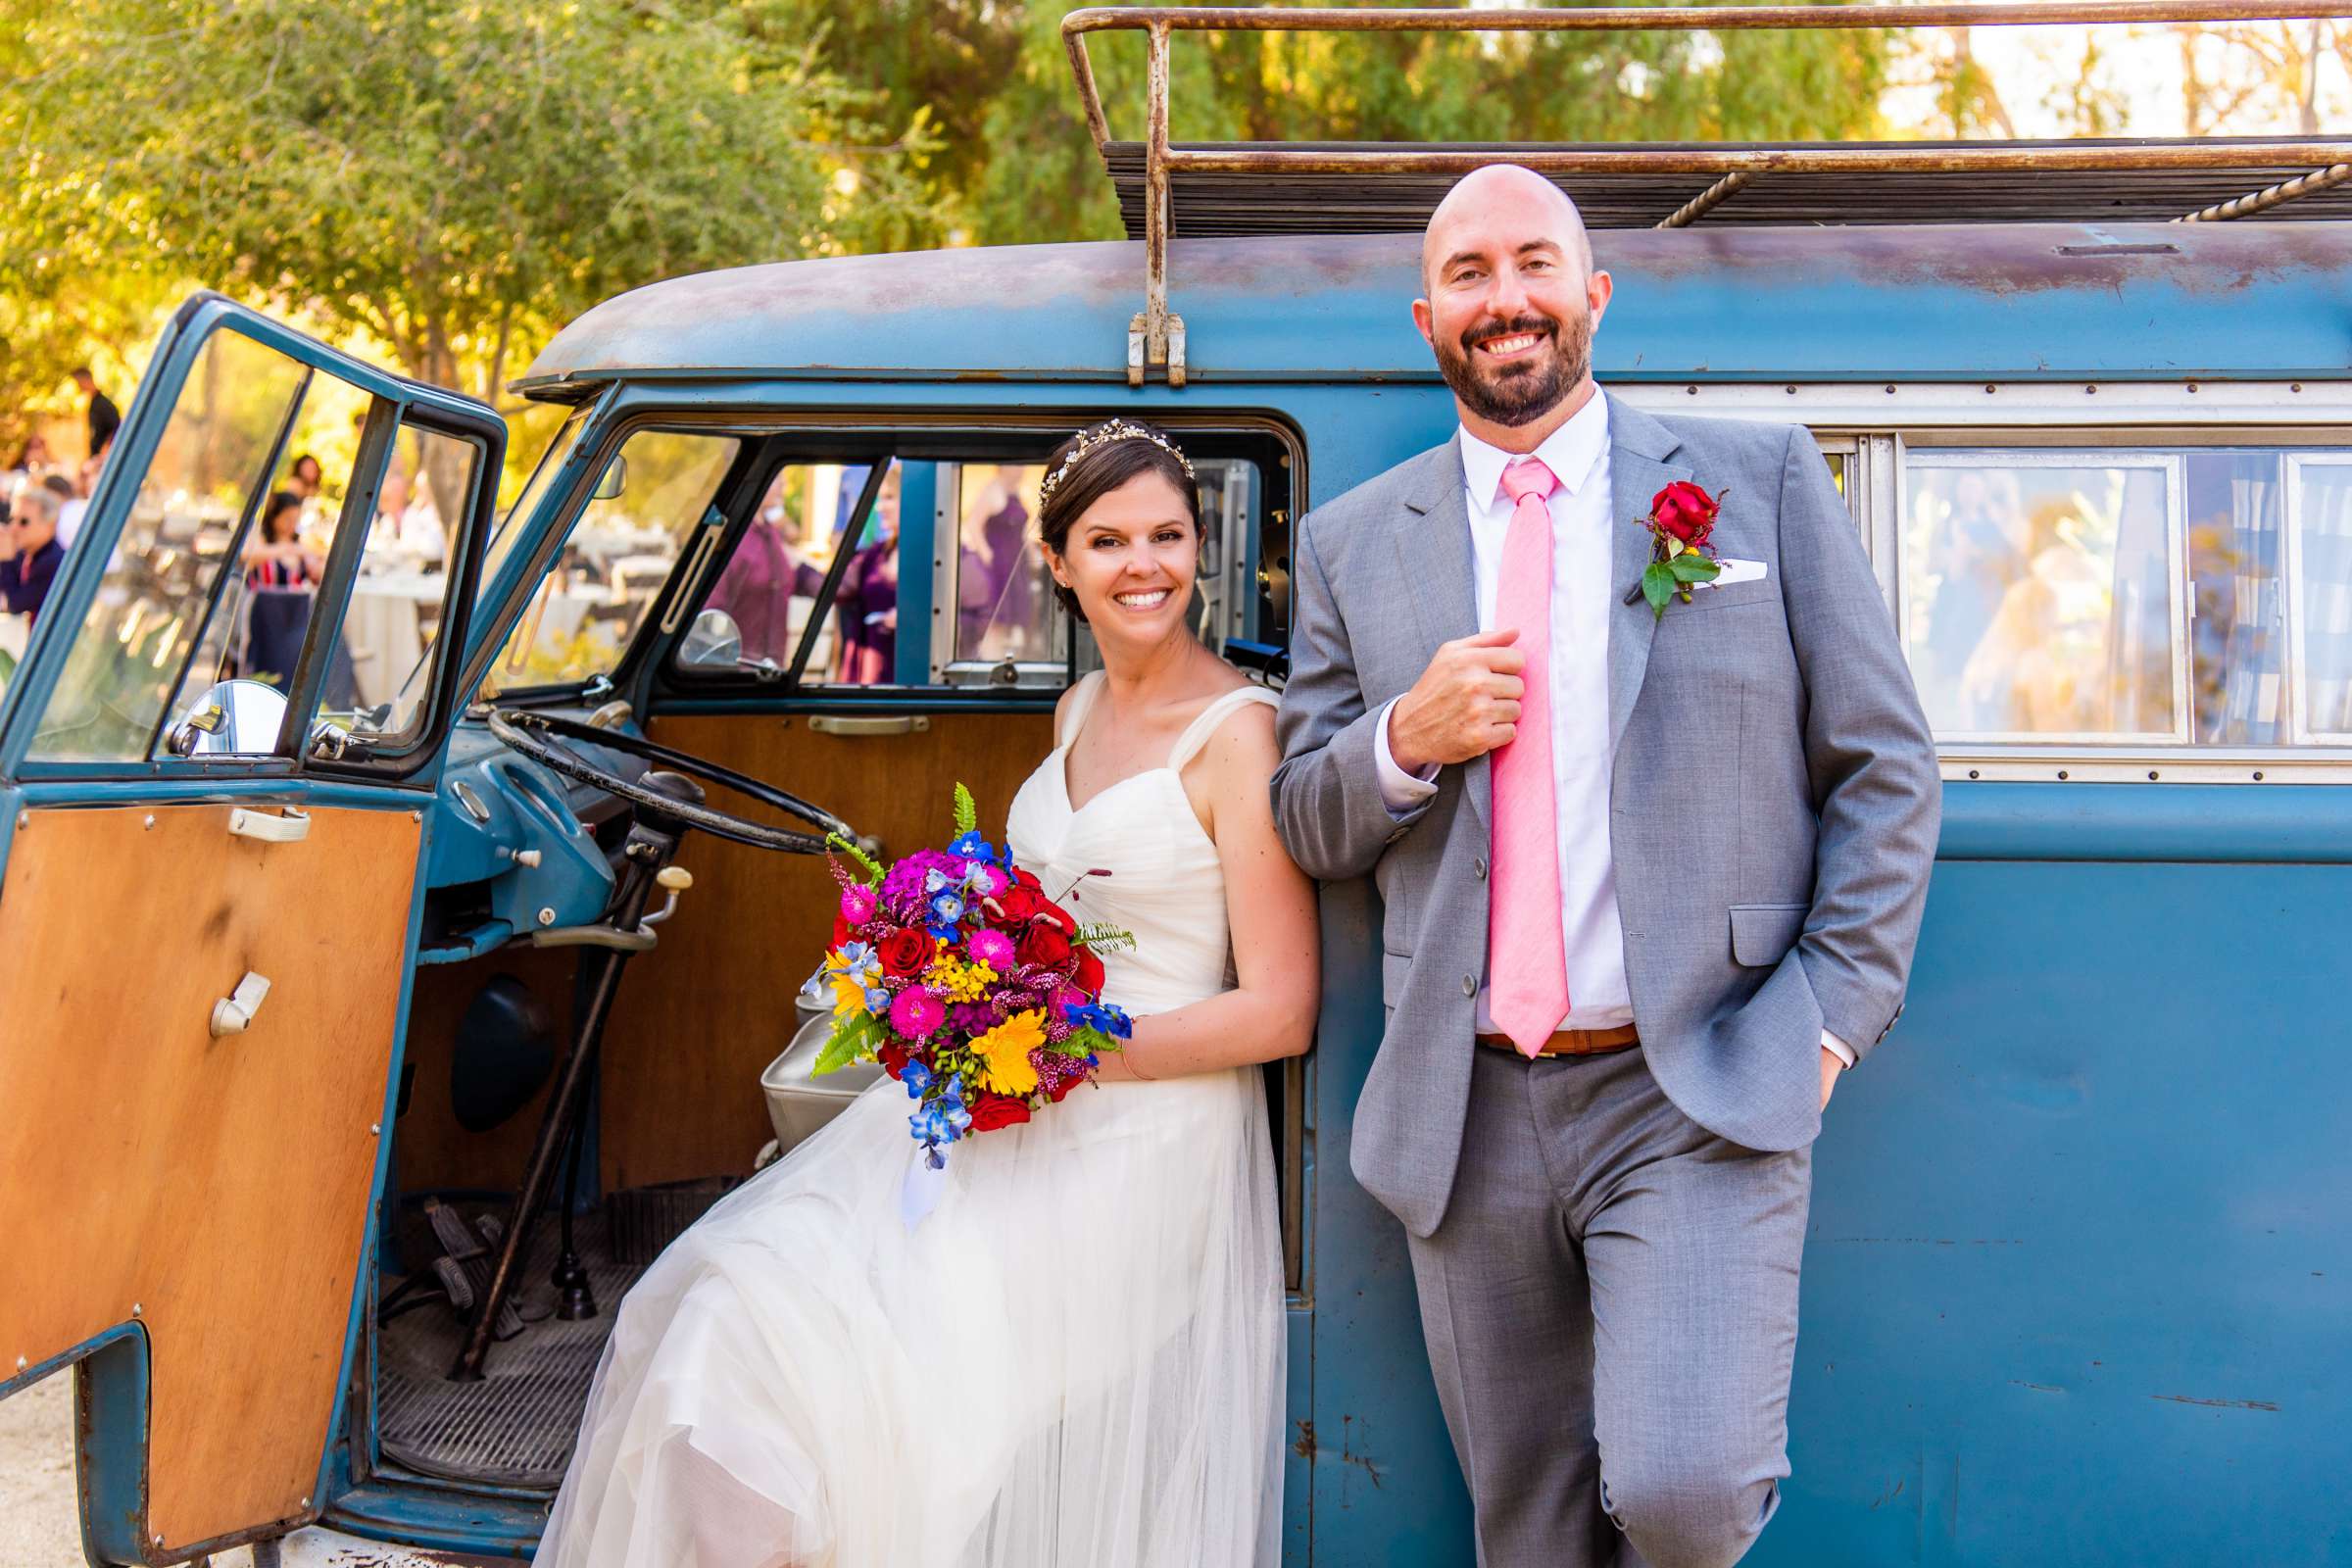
<point>216,769</point>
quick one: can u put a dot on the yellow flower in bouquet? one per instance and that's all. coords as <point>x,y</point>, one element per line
<point>960,981</point>
<point>1004,1055</point>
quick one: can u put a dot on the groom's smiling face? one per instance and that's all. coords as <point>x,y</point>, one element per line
<point>1512,297</point>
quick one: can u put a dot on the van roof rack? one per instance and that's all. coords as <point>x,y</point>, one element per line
<point>1358,188</point>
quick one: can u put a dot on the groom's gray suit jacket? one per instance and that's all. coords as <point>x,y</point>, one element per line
<point>1774,795</point>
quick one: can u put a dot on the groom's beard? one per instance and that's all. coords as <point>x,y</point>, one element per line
<point>1521,391</point>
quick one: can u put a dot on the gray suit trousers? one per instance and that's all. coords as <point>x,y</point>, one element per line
<point>1610,1304</point>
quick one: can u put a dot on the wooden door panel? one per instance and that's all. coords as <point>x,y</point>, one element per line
<point>701,1016</point>
<point>216,1190</point>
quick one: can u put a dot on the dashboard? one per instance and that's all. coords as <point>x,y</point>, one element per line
<point>515,847</point>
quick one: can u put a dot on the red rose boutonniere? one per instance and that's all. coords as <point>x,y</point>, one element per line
<point>1682,526</point>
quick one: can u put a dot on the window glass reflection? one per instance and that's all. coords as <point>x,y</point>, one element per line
<point>1003,597</point>
<point>2325,604</point>
<point>2039,598</point>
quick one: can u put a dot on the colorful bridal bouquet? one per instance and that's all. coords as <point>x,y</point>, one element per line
<point>971,987</point>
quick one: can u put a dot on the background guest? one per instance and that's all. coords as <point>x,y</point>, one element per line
<point>105,418</point>
<point>71,503</point>
<point>34,456</point>
<point>33,551</point>
<point>763,576</point>
<point>276,556</point>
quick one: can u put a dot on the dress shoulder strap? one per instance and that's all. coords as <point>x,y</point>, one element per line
<point>1082,702</point>
<point>1195,734</point>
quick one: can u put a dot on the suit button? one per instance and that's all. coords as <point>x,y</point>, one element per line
<point>1478,870</point>
<point>1470,985</point>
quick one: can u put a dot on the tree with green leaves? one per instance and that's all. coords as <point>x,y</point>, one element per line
<point>443,181</point>
<point>1015,162</point>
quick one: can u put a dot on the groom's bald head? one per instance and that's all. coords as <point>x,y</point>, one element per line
<point>1503,200</point>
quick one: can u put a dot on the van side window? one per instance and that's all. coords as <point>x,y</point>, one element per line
<point>944,583</point>
<point>2127,596</point>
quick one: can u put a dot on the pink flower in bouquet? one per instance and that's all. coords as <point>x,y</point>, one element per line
<point>916,1012</point>
<point>856,904</point>
<point>992,948</point>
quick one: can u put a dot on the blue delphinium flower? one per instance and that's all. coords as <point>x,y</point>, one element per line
<point>951,1106</point>
<point>855,961</point>
<point>878,1001</point>
<point>939,1121</point>
<point>934,879</point>
<point>917,1078</point>
<point>972,847</point>
<point>947,912</point>
<point>1103,1017</point>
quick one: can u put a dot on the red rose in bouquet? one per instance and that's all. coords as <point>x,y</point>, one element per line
<point>990,1111</point>
<point>1044,944</point>
<point>906,953</point>
<point>1020,905</point>
<point>1089,975</point>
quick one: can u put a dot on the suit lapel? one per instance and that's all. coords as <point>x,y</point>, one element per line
<point>1640,450</point>
<point>1436,567</point>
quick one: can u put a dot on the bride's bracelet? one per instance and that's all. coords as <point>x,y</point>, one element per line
<point>1128,1055</point>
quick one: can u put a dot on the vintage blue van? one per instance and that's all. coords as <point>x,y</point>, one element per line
<point>351,1072</point>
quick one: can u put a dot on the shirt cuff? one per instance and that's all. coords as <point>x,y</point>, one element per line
<point>1837,1047</point>
<point>1400,792</point>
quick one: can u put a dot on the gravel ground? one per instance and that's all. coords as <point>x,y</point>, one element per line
<point>38,1525</point>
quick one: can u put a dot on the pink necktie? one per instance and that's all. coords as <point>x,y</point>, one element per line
<point>1526,967</point>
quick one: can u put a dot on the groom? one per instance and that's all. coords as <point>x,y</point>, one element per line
<point>1651,883</point>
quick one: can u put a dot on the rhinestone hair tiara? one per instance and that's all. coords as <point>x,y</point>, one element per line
<point>1102,435</point>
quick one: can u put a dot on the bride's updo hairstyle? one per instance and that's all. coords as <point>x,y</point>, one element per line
<point>1094,463</point>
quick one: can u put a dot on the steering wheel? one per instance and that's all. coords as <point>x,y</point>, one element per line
<point>540,736</point>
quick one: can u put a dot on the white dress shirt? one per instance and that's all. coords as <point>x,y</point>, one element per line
<point>1591,938</point>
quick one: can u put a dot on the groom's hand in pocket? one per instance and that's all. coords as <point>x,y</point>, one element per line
<point>1465,704</point>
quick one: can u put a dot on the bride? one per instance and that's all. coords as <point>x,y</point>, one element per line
<point>1076,1359</point>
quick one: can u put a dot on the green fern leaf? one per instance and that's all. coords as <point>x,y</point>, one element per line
<point>865,863</point>
<point>967,815</point>
<point>1104,938</point>
<point>849,1042</point>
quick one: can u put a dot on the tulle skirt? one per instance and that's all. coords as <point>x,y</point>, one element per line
<point>1074,1360</point>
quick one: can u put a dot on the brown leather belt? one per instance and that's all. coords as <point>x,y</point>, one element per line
<point>1574,1042</point>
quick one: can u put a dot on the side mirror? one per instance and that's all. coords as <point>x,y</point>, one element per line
<point>615,480</point>
<point>712,642</point>
<point>235,719</point>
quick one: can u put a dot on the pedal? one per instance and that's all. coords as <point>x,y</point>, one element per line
<point>463,1268</point>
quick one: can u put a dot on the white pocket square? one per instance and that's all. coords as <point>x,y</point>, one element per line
<point>1735,571</point>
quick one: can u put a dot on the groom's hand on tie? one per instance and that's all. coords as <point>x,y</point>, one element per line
<point>1465,705</point>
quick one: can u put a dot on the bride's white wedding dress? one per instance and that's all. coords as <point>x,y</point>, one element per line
<point>1074,1362</point>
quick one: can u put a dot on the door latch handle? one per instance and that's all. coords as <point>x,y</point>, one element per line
<point>232,1013</point>
<point>289,827</point>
